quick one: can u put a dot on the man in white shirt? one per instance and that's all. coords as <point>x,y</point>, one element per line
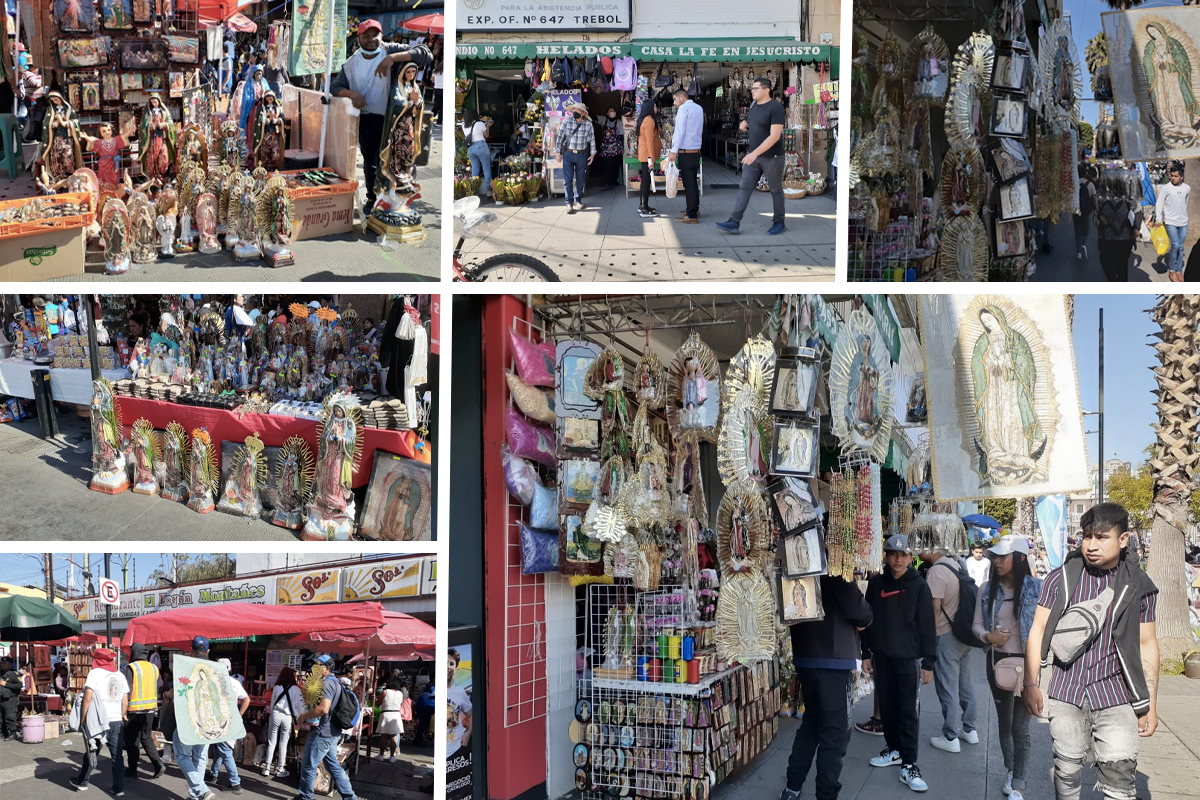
<point>685,151</point>
<point>224,750</point>
<point>978,567</point>
<point>1172,210</point>
<point>105,685</point>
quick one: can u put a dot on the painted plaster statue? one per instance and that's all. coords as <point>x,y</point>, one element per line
<point>247,223</point>
<point>274,219</point>
<point>203,475</point>
<point>115,226</point>
<point>253,90</point>
<point>331,511</point>
<point>175,463</point>
<point>264,137</point>
<point>246,480</point>
<point>293,482</point>
<point>108,154</point>
<point>206,224</point>
<point>156,142</point>
<point>61,154</point>
<point>164,223</point>
<point>146,456</point>
<point>142,234</point>
<point>108,460</point>
<point>396,186</point>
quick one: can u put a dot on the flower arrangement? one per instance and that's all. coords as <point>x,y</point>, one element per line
<point>517,188</point>
<point>466,186</point>
<point>462,85</point>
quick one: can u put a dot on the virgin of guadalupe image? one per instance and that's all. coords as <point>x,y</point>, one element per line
<point>61,154</point>
<point>756,460</point>
<point>792,510</point>
<point>1168,70</point>
<point>1009,441</point>
<point>1064,75</point>
<point>798,601</point>
<point>116,14</point>
<point>402,134</point>
<point>864,377</point>
<point>403,502</point>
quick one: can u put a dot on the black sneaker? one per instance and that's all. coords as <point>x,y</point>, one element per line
<point>789,794</point>
<point>872,726</point>
<point>647,213</point>
<point>235,789</point>
<point>159,770</point>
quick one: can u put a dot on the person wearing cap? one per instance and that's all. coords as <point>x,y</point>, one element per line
<point>321,744</point>
<point>192,759</point>
<point>1106,696</point>
<point>367,78</point>
<point>900,650</point>
<point>953,673</point>
<point>576,149</point>
<point>1003,619</point>
<point>825,653</point>
<point>107,687</point>
<point>142,677</point>
<point>224,750</point>
<point>10,694</point>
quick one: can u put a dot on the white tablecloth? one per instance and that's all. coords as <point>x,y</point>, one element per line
<point>68,385</point>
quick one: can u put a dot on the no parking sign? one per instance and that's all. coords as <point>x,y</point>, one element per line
<point>110,593</point>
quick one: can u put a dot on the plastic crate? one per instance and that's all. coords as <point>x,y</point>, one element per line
<point>298,192</point>
<point>13,229</point>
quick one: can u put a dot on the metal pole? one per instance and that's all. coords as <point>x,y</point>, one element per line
<point>107,608</point>
<point>16,69</point>
<point>1100,477</point>
<point>93,350</point>
<point>50,572</point>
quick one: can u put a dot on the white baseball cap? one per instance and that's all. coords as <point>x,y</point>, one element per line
<point>1010,544</point>
<point>224,662</point>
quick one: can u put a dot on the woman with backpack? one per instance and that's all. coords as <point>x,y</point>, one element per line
<point>1003,617</point>
<point>392,699</point>
<point>1118,219</point>
<point>287,703</point>
<point>649,151</point>
<point>477,149</point>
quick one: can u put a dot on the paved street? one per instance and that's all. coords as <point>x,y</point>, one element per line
<point>608,241</point>
<point>1145,265</point>
<point>41,772</point>
<point>1167,764</point>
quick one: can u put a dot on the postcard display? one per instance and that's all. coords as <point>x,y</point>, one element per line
<point>962,214</point>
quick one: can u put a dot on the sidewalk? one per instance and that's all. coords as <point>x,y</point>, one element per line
<point>608,241</point>
<point>1063,264</point>
<point>1167,765</point>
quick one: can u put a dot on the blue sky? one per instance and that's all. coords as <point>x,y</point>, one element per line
<point>22,569</point>
<point>1128,405</point>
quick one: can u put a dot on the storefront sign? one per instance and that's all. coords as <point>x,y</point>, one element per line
<point>304,588</point>
<point>826,92</point>
<point>135,604</point>
<point>557,102</point>
<point>885,318</point>
<point>489,16</point>
<point>730,50</point>
<point>429,577</point>
<point>378,582</point>
<point>523,50</point>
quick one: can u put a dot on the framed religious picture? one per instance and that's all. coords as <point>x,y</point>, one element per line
<point>110,86</point>
<point>578,554</point>
<point>577,478</point>
<point>127,123</point>
<point>155,82</point>
<point>803,553</point>
<point>791,501</point>
<point>75,16</point>
<point>143,11</point>
<point>1010,159</point>
<point>795,448</point>
<point>799,599</point>
<point>399,500</point>
<point>75,96</point>
<point>73,53</point>
<point>91,96</point>
<point>1016,200</point>
<point>795,387</point>
<point>149,54</point>
<point>1010,71</point>
<point>572,360</point>
<point>577,436</point>
<point>116,15</point>
<point>131,81</point>
<point>183,49</point>
<point>175,84</point>
<point>1010,239</point>
<point>1009,115</point>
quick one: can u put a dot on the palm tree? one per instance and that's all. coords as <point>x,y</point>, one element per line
<point>1174,464</point>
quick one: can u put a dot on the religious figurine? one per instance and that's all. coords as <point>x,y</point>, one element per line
<point>260,179</point>
<point>165,222</point>
<point>146,456</point>
<point>203,474</point>
<point>108,154</point>
<point>108,460</point>
<point>246,247</point>
<point>193,150</point>
<point>274,220</point>
<point>230,147</point>
<point>264,137</point>
<point>84,181</point>
<point>115,226</point>
<point>331,511</point>
<point>139,361</point>
<point>156,143</point>
<point>233,210</point>
<point>246,479</point>
<point>218,186</point>
<point>254,89</point>
<point>401,146</point>
<point>142,220</point>
<point>60,155</point>
<point>206,222</point>
<point>191,186</point>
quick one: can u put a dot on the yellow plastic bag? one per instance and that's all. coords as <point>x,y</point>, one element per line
<point>1162,242</point>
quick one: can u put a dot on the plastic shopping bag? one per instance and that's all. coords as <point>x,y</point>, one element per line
<point>1144,233</point>
<point>671,175</point>
<point>1162,242</point>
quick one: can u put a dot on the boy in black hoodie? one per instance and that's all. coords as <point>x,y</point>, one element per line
<point>900,648</point>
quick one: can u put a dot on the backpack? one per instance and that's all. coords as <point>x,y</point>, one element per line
<point>663,78</point>
<point>558,72</point>
<point>345,715</point>
<point>606,64</point>
<point>964,617</point>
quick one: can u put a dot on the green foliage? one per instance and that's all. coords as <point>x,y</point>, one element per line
<point>196,567</point>
<point>1001,509</point>
<point>1087,134</point>
<point>1136,494</point>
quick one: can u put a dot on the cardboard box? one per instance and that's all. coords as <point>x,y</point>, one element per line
<point>53,254</point>
<point>324,215</point>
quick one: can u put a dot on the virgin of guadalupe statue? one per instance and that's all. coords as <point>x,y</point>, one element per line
<point>402,133</point>
<point>293,480</point>
<point>863,377</point>
<point>145,457</point>
<point>115,226</point>
<point>156,142</point>
<point>61,154</point>
<point>142,237</point>
<point>108,460</point>
<point>254,89</point>
<point>264,137</point>
<point>1010,441</point>
<point>175,459</point>
<point>246,479</point>
<point>331,511</point>
<point>202,473</point>
<point>1168,72</point>
<point>206,223</point>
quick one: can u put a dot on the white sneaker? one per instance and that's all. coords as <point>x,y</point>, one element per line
<point>283,773</point>
<point>577,206</point>
<point>1008,790</point>
<point>971,737</point>
<point>910,776</point>
<point>1016,795</point>
<point>392,759</point>
<point>266,772</point>
<point>1085,251</point>
<point>381,757</point>
<point>949,745</point>
<point>886,758</point>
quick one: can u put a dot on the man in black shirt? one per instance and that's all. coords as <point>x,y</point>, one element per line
<point>765,157</point>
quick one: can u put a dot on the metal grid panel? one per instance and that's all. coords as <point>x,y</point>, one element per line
<point>525,606</point>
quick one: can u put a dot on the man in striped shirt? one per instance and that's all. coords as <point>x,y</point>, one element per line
<point>1106,696</point>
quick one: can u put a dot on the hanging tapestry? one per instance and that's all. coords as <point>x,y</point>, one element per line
<point>1004,410</point>
<point>310,36</point>
<point>860,387</point>
<point>206,709</point>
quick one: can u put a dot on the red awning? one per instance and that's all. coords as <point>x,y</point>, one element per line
<point>176,628</point>
<point>80,638</point>
<point>402,637</point>
<point>427,23</point>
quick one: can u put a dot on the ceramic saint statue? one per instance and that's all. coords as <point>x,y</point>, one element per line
<point>202,472</point>
<point>246,479</point>
<point>247,224</point>
<point>206,222</point>
<point>166,207</point>
<point>264,137</point>
<point>61,154</point>
<point>115,227</point>
<point>156,142</point>
<point>108,459</point>
<point>331,511</point>
<point>145,457</point>
<point>274,220</point>
<point>108,154</point>
<point>142,238</point>
<point>174,463</point>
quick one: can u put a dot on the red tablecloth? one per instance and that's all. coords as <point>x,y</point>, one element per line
<point>273,429</point>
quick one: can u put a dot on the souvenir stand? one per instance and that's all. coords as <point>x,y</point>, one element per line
<point>687,566</point>
<point>964,142</point>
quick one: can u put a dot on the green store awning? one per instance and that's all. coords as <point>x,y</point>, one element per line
<point>502,51</point>
<point>651,50</point>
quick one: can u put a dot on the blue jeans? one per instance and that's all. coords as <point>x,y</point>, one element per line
<point>1176,233</point>
<point>481,161</point>
<point>319,749</point>
<point>224,755</point>
<point>192,759</point>
<point>955,685</point>
<point>575,167</point>
<point>116,751</point>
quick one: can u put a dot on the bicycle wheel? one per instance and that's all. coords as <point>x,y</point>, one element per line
<point>513,267</point>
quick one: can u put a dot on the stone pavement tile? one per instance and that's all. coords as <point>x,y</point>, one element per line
<point>707,264</point>
<point>648,236</point>
<point>573,265</point>
<point>1172,776</point>
<point>633,265</point>
<point>507,240</point>
<point>884,783</point>
<point>527,216</point>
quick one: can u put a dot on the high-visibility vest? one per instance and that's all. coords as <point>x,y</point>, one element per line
<point>143,689</point>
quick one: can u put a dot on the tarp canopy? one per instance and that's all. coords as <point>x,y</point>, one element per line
<point>33,619</point>
<point>214,11</point>
<point>426,23</point>
<point>238,22</point>
<point>177,627</point>
<point>402,637</point>
<point>82,638</point>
